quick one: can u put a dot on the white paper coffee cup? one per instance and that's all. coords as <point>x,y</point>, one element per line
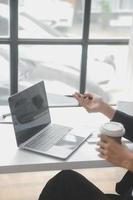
<point>112,129</point>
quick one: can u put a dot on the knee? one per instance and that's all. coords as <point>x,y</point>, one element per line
<point>67,175</point>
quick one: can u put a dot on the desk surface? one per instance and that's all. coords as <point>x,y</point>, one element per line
<point>14,160</point>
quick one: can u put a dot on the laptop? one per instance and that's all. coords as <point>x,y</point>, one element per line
<point>33,128</point>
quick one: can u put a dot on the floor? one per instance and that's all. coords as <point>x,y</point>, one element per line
<point>27,186</point>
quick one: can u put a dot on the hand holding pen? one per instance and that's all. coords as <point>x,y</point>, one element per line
<point>91,102</point>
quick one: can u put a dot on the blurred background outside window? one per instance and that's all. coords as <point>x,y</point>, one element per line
<point>58,63</point>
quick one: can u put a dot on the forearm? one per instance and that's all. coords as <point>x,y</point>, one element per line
<point>107,110</point>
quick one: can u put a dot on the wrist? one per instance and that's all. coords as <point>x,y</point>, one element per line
<point>107,110</point>
<point>128,163</point>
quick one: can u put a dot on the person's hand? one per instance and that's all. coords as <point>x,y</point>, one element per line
<point>91,102</point>
<point>94,103</point>
<point>114,152</point>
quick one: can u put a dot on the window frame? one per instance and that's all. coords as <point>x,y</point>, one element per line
<point>13,41</point>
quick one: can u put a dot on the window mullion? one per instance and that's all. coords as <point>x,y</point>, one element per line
<point>14,46</point>
<point>87,11</point>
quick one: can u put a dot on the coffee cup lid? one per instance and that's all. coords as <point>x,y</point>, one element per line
<point>113,129</point>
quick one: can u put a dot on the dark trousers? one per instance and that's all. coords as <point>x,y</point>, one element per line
<point>70,185</point>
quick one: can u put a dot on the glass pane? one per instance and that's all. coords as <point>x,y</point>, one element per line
<point>50,18</point>
<point>4,18</point>
<point>111,19</point>
<point>58,66</point>
<point>107,71</point>
<point>4,74</point>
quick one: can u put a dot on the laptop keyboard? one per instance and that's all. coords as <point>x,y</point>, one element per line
<point>48,138</point>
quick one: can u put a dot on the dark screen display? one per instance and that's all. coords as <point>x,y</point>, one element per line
<point>30,113</point>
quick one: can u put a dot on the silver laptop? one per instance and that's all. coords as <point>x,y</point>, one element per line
<point>33,128</point>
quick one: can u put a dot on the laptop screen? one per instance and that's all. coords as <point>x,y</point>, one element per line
<point>30,112</point>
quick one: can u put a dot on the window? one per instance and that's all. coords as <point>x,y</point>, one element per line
<point>4,19</point>
<point>111,19</point>
<point>58,65</point>
<point>107,68</point>
<point>4,74</point>
<point>50,19</point>
<point>110,29</point>
<point>70,44</point>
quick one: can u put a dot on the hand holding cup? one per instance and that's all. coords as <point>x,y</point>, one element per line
<point>113,129</point>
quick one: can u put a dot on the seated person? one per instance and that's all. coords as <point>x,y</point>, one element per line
<point>70,185</point>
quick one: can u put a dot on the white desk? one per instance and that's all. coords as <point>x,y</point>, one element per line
<point>14,160</point>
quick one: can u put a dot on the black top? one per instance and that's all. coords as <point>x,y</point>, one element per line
<point>125,186</point>
<point>127,121</point>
